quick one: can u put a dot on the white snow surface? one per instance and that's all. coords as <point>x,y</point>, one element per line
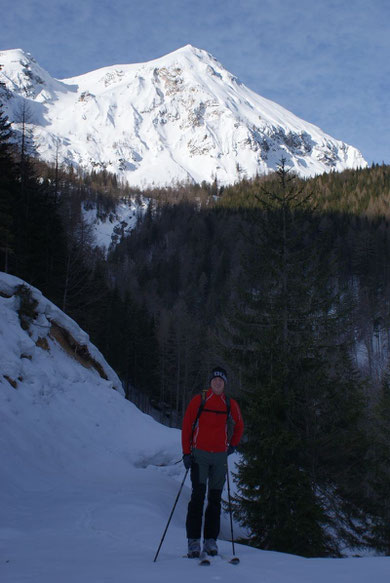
<point>107,232</point>
<point>182,117</point>
<point>87,481</point>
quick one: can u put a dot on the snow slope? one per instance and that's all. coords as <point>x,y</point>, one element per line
<point>107,231</point>
<point>180,117</point>
<point>87,481</point>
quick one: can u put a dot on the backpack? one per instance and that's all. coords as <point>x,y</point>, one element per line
<point>229,419</point>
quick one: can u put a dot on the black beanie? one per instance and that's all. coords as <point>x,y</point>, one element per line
<point>219,372</point>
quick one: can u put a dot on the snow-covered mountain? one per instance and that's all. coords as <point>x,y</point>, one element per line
<point>177,118</point>
<point>87,481</point>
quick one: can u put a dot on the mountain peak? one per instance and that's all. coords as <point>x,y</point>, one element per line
<point>187,49</point>
<point>10,55</point>
<point>23,75</point>
<point>187,55</point>
<point>180,117</point>
<point>16,59</point>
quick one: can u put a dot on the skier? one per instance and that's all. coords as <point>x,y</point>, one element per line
<point>207,442</point>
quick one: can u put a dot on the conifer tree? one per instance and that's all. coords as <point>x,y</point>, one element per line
<point>379,478</point>
<point>287,339</point>
<point>8,187</point>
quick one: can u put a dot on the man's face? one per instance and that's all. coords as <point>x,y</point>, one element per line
<point>217,385</point>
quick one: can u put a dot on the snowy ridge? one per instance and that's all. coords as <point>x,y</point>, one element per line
<point>87,481</point>
<point>177,118</point>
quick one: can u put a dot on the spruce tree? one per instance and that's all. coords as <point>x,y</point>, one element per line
<point>287,339</point>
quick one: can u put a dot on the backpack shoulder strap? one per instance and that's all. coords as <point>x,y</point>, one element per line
<point>227,398</point>
<point>201,407</point>
<point>230,423</point>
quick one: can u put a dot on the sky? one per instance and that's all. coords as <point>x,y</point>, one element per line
<point>327,62</point>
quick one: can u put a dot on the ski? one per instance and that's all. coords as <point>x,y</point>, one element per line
<point>204,560</point>
<point>232,560</point>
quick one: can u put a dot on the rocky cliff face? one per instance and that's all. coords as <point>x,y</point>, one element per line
<point>180,117</point>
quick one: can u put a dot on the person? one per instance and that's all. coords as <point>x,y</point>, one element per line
<point>206,442</point>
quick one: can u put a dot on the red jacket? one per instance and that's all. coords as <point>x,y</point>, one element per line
<point>210,434</point>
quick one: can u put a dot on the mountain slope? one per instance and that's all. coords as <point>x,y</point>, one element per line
<point>180,117</point>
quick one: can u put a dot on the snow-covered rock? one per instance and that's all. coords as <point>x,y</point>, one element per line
<point>107,230</point>
<point>177,118</point>
<point>47,349</point>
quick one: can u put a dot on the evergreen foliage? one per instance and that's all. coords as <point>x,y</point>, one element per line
<point>8,187</point>
<point>32,236</point>
<point>379,477</point>
<point>285,338</point>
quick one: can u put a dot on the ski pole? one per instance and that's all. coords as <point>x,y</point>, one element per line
<point>170,517</point>
<point>230,505</point>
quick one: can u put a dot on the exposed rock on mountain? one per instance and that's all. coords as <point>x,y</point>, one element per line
<point>180,117</point>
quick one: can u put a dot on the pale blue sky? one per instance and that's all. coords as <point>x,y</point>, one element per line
<point>327,61</point>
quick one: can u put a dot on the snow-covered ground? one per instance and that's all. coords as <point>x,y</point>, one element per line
<point>87,481</point>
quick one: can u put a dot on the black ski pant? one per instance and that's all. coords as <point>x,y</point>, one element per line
<point>207,469</point>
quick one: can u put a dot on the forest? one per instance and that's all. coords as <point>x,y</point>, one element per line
<point>284,282</point>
